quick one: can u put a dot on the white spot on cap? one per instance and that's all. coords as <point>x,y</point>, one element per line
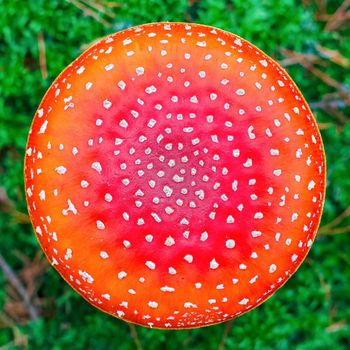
<point>230,219</point>
<point>153,304</point>
<point>40,112</point>
<point>194,99</point>
<point>256,234</point>
<point>86,277</point>
<point>121,275</point>
<point>140,71</point>
<point>294,217</point>
<point>149,238</point>
<point>100,225</point>
<point>238,42</point>
<point>108,197</point>
<point>150,264</point>
<point>188,258</point>
<point>123,123</point>
<point>258,215</point>
<point>84,184</point>
<point>68,254</point>
<point>311,185</point>
<point>107,104</point>
<point>214,264</point>
<point>97,166</point>
<point>38,230</point>
<point>109,67</point>
<point>248,163</point>
<point>263,63</point>
<point>172,271</point>
<point>150,89</point>
<point>81,70</point>
<point>127,41</point>
<point>240,92</point>
<point>204,236</point>
<point>250,132</point>
<point>272,268</point>
<point>104,255</point>
<point>122,84</point>
<point>126,244</point>
<point>230,243</point>
<point>43,127</point>
<point>152,122</point>
<point>244,301</point>
<point>169,241</point>
<point>167,190</point>
<point>41,194</point>
<point>61,170</point>
<point>188,305</point>
<point>253,280</point>
<point>71,208</point>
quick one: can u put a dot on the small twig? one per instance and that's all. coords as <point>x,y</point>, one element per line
<point>333,22</point>
<point>336,231</point>
<point>325,126</point>
<point>42,55</point>
<point>337,326</point>
<point>301,59</point>
<point>98,7</point>
<point>326,78</point>
<point>112,4</point>
<point>17,284</point>
<point>7,206</point>
<point>330,229</point>
<point>326,104</point>
<point>227,329</point>
<point>295,58</point>
<point>134,335</point>
<point>6,321</point>
<point>338,219</point>
<point>88,12</point>
<point>342,118</point>
<point>333,55</point>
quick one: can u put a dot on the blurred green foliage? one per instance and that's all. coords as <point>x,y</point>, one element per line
<point>312,312</point>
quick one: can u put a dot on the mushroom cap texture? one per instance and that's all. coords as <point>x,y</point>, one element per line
<point>175,175</point>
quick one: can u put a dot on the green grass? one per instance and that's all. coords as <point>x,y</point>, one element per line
<point>311,312</point>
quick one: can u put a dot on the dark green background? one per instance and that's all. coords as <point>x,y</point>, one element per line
<point>312,311</point>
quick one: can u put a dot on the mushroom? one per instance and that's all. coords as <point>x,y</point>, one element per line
<point>175,175</point>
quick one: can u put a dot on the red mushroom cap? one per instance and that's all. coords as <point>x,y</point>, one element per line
<point>175,175</point>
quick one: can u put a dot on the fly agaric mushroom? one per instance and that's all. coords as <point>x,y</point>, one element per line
<point>175,175</point>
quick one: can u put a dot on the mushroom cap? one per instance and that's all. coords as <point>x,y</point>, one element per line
<point>175,175</point>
